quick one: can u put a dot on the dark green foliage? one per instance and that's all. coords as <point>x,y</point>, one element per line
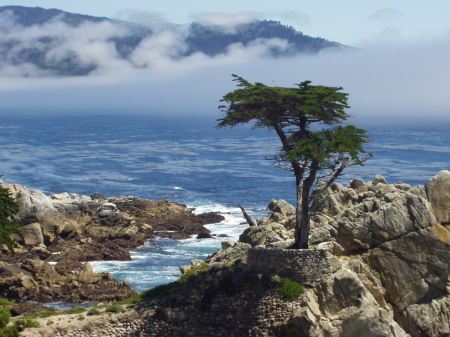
<point>114,308</point>
<point>42,313</point>
<point>93,311</point>
<point>6,302</point>
<point>290,290</point>
<point>192,272</point>
<point>307,119</point>
<point>21,324</point>
<point>131,300</point>
<point>5,315</point>
<point>7,331</point>
<point>159,291</point>
<point>10,331</point>
<point>8,207</point>
<point>75,310</point>
<point>213,40</point>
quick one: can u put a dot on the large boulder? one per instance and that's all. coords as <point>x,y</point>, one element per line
<point>438,193</point>
<point>32,234</point>
<point>265,234</point>
<point>342,306</point>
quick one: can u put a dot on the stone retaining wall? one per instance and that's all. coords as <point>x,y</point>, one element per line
<point>307,266</point>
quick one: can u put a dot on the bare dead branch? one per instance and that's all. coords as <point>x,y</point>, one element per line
<point>247,217</point>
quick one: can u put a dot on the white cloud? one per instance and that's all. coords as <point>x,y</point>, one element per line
<point>386,14</point>
<point>383,80</point>
<point>91,46</point>
<point>226,22</point>
<point>149,19</point>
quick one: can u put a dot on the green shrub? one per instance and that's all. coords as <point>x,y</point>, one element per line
<point>81,317</point>
<point>114,308</point>
<point>75,310</point>
<point>5,315</point>
<point>192,272</point>
<point>275,279</point>
<point>50,322</point>
<point>162,290</point>
<point>93,311</point>
<point>21,324</point>
<point>131,300</point>
<point>42,313</point>
<point>6,302</point>
<point>10,331</point>
<point>290,290</point>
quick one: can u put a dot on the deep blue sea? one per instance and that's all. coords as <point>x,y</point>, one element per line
<point>190,161</point>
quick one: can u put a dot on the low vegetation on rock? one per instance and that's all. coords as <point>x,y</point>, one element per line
<point>289,289</point>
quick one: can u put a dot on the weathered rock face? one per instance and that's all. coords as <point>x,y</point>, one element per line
<point>68,229</point>
<point>388,235</point>
<point>32,234</point>
<point>390,264</point>
<point>36,280</point>
<point>438,192</point>
<point>265,234</point>
<point>125,221</point>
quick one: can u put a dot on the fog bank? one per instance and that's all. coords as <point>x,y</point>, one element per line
<point>395,80</point>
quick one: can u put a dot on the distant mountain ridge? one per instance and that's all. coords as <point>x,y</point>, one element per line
<point>52,54</point>
<point>29,16</point>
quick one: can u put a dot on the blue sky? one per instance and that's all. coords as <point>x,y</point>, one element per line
<point>353,22</point>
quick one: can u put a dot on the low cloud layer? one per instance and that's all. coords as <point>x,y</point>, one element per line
<point>384,81</point>
<point>92,45</point>
<point>386,14</point>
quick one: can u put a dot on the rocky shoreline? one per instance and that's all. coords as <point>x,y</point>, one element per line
<point>388,261</point>
<point>62,231</point>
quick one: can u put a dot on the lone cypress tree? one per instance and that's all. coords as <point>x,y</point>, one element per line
<point>8,207</point>
<point>308,119</point>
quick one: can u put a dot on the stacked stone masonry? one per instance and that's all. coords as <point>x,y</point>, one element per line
<point>307,266</point>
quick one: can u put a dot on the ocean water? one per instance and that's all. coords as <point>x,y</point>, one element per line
<point>188,160</point>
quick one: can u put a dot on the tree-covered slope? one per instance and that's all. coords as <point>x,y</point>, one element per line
<point>48,42</point>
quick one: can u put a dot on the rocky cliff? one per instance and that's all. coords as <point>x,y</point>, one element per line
<point>389,251</point>
<point>60,232</point>
<point>385,273</point>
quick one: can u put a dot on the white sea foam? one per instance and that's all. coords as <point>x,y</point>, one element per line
<point>157,261</point>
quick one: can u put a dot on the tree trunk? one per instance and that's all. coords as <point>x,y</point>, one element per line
<point>302,216</point>
<point>298,218</point>
<point>304,220</point>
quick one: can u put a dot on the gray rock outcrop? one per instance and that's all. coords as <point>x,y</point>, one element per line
<point>390,261</point>
<point>388,250</point>
<point>438,193</point>
<point>58,232</point>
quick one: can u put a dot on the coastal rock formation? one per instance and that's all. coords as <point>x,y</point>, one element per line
<point>34,279</point>
<point>60,231</point>
<point>389,258</point>
<point>438,192</point>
